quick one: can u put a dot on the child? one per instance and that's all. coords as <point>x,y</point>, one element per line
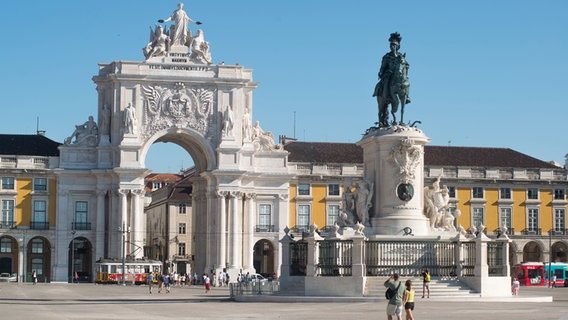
<point>515,287</point>
<point>408,300</point>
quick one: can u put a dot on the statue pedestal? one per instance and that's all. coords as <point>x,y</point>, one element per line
<point>394,162</point>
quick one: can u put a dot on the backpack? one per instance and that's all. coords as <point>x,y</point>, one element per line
<point>427,277</point>
<point>391,293</point>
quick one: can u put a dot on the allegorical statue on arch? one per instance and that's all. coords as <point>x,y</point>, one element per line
<point>178,38</point>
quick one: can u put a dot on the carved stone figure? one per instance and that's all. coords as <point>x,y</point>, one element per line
<point>346,215</point>
<point>436,207</point>
<point>158,45</point>
<point>200,48</point>
<point>85,133</point>
<point>228,122</point>
<point>247,125</point>
<point>130,119</point>
<point>263,140</point>
<point>104,126</point>
<point>393,86</point>
<point>363,200</point>
<point>407,157</point>
<point>179,33</point>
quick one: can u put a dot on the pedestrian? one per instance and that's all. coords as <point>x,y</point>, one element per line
<point>167,282</point>
<point>150,281</point>
<point>160,282</point>
<point>515,287</point>
<point>426,282</point>
<point>207,283</point>
<point>76,276</point>
<point>394,307</point>
<point>34,276</point>
<point>408,300</point>
<point>554,281</point>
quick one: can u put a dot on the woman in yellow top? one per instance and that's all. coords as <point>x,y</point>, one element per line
<point>408,300</point>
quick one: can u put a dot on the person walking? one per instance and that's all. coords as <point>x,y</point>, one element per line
<point>207,283</point>
<point>515,287</point>
<point>150,281</point>
<point>34,276</point>
<point>408,300</point>
<point>394,307</point>
<point>426,282</point>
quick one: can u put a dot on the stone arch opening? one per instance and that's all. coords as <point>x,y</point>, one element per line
<point>263,258</point>
<point>559,252</point>
<point>194,143</point>
<point>9,255</point>
<point>532,252</point>
<point>80,260</point>
<point>39,258</point>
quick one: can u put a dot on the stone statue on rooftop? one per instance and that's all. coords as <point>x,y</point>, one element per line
<point>393,86</point>
<point>158,45</point>
<point>180,34</point>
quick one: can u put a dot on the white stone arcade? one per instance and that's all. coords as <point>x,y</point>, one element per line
<point>174,96</point>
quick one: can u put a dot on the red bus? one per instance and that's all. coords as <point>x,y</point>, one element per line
<point>530,273</point>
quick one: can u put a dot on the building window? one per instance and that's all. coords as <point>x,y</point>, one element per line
<point>264,217</point>
<point>303,217</point>
<point>81,208</point>
<point>532,194</point>
<point>40,184</point>
<point>559,194</point>
<point>37,246</point>
<point>478,216</point>
<point>452,192</point>
<point>505,218</point>
<point>304,189</point>
<point>333,190</point>
<point>532,221</point>
<point>37,266</point>
<point>559,220</point>
<point>505,193</point>
<point>40,211</point>
<point>181,249</point>
<point>181,228</point>
<point>182,208</point>
<point>6,245</point>
<point>156,185</point>
<point>8,183</point>
<point>332,214</point>
<point>8,213</point>
<point>477,192</point>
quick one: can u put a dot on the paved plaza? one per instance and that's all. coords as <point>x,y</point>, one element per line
<point>89,301</point>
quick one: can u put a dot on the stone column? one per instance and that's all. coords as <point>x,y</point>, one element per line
<point>249,234</point>
<point>221,259</point>
<point>313,253</point>
<point>358,256</point>
<point>123,215</point>
<point>481,268</point>
<point>100,228</point>
<point>236,236</point>
<point>137,232</point>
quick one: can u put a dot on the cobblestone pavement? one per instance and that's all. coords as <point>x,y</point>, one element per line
<point>89,301</point>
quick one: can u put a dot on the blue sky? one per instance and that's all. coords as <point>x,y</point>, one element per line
<point>483,73</point>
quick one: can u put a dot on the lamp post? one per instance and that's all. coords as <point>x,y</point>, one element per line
<point>123,252</point>
<point>73,255</point>
<point>550,257</point>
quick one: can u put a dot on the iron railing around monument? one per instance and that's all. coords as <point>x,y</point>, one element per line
<point>408,258</point>
<point>468,262</point>
<point>298,258</point>
<point>495,259</point>
<point>335,258</point>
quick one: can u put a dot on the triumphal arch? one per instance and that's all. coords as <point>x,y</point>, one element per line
<point>176,95</point>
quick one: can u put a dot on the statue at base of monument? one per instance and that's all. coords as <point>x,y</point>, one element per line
<point>393,86</point>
